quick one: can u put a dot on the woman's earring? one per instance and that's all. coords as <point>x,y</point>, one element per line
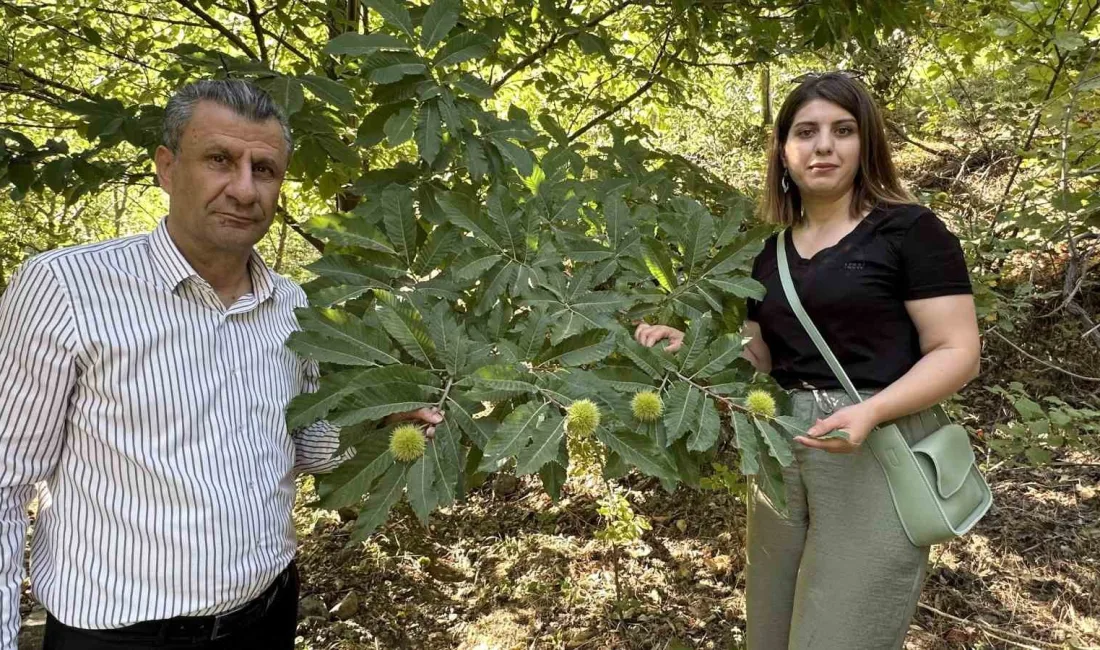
<point>784,183</point>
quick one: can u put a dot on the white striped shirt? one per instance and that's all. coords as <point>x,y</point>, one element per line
<point>154,419</point>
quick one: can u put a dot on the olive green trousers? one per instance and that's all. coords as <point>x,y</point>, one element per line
<point>836,572</point>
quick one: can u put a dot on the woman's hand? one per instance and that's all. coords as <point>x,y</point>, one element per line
<point>649,335</point>
<point>857,421</point>
<point>429,416</point>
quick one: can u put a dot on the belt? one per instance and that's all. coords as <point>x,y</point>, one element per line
<point>190,628</point>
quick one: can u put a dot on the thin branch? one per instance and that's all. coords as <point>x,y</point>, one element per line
<point>254,18</point>
<point>643,89</point>
<point>1045,363</point>
<point>297,227</point>
<point>47,82</point>
<point>1010,637</point>
<point>594,122</point>
<point>705,173</point>
<point>446,392</point>
<point>222,29</point>
<point>622,70</point>
<point>282,41</point>
<point>101,10</point>
<point>80,37</point>
<point>1035,122</point>
<point>280,249</point>
<point>39,94</point>
<point>901,134</point>
<point>712,64</point>
<point>45,127</point>
<point>559,39</point>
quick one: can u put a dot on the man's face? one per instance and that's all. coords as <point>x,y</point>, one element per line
<point>223,183</point>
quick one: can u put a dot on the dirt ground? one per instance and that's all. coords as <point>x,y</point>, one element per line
<point>509,569</point>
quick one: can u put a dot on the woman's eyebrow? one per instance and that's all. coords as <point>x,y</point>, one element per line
<point>845,120</point>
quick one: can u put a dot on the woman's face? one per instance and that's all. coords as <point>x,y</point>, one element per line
<point>822,150</point>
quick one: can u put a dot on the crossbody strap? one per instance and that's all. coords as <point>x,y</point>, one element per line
<point>807,324</point>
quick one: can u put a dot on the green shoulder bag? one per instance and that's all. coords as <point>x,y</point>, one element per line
<point>935,484</point>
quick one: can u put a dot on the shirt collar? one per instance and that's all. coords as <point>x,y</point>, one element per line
<point>174,267</point>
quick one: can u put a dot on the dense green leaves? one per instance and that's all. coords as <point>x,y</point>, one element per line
<point>393,12</point>
<point>439,20</point>
<point>473,259</point>
<point>333,92</point>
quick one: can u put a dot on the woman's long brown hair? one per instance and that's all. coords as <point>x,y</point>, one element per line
<point>876,181</point>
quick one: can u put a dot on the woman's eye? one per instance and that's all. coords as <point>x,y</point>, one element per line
<point>845,130</point>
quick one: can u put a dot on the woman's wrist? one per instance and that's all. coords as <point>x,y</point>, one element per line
<point>875,410</point>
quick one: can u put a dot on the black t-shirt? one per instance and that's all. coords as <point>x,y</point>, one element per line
<point>855,292</point>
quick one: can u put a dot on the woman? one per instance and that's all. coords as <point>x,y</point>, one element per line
<point>887,285</point>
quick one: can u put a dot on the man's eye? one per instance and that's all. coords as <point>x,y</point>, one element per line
<point>218,158</point>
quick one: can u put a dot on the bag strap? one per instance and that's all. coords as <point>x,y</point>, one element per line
<point>807,323</point>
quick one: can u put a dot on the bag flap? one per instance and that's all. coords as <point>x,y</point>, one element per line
<point>951,454</point>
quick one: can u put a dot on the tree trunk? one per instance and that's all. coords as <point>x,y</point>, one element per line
<point>766,94</point>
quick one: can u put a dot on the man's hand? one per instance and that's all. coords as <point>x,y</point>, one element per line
<point>857,421</point>
<point>649,335</point>
<point>430,416</point>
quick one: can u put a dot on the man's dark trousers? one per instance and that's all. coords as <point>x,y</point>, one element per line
<point>274,629</point>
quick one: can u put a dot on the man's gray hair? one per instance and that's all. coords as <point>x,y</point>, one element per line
<point>240,96</point>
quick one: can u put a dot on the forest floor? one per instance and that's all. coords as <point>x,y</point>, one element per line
<point>509,569</point>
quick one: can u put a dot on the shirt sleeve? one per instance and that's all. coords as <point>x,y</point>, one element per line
<point>932,260</point>
<point>315,445</point>
<point>38,370</point>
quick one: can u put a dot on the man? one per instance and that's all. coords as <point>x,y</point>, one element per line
<point>144,383</point>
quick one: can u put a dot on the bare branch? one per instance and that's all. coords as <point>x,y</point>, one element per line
<point>1036,121</point>
<point>643,89</point>
<point>44,127</point>
<point>594,122</point>
<point>901,134</point>
<point>712,64</point>
<point>254,18</point>
<point>116,12</point>
<point>297,227</point>
<point>47,82</point>
<point>222,29</point>
<point>80,37</point>
<point>1045,363</point>
<point>39,94</point>
<point>559,39</point>
<point>282,41</point>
